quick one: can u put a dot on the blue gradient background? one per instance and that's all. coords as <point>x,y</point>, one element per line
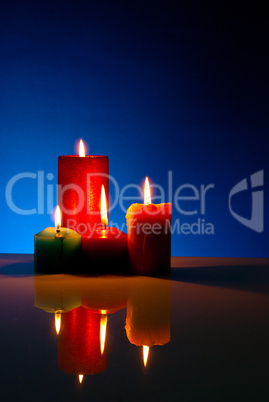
<point>157,86</point>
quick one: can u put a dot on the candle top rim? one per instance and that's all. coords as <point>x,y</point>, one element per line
<point>140,208</point>
<point>50,232</point>
<point>108,231</point>
<point>81,157</point>
<point>141,204</point>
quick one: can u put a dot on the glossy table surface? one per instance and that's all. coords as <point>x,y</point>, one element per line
<point>206,326</point>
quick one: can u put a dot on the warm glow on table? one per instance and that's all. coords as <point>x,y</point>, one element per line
<point>219,332</point>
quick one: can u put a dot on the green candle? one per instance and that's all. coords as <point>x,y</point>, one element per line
<point>56,249</point>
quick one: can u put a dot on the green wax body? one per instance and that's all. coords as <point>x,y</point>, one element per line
<point>55,252</point>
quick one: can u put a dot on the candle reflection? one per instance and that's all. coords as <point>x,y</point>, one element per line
<point>79,346</point>
<point>105,294</point>
<point>82,305</point>
<point>57,293</point>
<point>148,313</point>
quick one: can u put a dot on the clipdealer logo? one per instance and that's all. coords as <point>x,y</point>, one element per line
<point>256,222</point>
<point>189,201</point>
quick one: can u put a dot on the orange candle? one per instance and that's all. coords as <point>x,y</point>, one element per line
<point>149,236</point>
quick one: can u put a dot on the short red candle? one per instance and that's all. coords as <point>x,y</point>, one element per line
<point>105,250</point>
<point>149,238</point>
<point>80,179</point>
<point>79,349</point>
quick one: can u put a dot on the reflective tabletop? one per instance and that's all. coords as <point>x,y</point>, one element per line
<point>200,334</point>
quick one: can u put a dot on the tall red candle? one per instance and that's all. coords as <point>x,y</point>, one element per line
<point>80,179</point>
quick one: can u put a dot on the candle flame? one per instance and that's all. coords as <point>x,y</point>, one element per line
<point>80,378</point>
<point>57,218</point>
<point>81,148</point>
<point>57,322</point>
<point>103,326</point>
<point>147,196</point>
<point>104,218</point>
<point>145,354</point>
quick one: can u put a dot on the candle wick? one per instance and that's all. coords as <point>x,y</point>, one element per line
<point>58,229</point>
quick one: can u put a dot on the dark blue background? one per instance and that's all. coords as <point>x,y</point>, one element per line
<point>156,86</point>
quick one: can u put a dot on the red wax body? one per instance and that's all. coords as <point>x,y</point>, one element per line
<point>80,180</point>
<point>105,250</point>
<point>79,343</point>
<point>149,238</point>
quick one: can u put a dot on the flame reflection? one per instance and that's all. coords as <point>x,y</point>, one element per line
<point>103,326</point>
<point>145,354</point>
<point>57,322</point>
<point>81,306</point>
